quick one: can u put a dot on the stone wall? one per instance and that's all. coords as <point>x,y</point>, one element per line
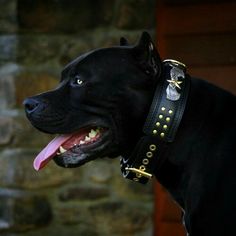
<point>37,38</point>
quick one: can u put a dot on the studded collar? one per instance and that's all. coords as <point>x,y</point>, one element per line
<point>162,123</point>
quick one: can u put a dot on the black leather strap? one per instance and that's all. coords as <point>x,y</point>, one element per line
<point>162,122</point>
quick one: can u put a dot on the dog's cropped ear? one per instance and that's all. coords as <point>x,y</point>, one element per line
<point>146,55</point>
<point>124,42</point>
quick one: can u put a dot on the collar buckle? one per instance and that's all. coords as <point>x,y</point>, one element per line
<point>139,173</point>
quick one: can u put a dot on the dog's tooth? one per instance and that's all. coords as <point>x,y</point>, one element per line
<point>87,138</point>
<point>92,133</point>
<point>62,150</point>
<point>81,142</point>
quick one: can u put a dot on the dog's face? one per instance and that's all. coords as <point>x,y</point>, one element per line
<point>100,104</point>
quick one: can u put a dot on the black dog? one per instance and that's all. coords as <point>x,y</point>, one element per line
<point>125,101</point>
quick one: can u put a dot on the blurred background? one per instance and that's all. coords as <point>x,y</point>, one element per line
<point>37,39</point>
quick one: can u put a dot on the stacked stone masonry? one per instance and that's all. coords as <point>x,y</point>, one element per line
<point>37,38</point>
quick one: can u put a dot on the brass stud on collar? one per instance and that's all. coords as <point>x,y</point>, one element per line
<point>149,154</point>
<point>153,147</point>
<point>163,108</point>
<point>168,119</point>
<point>138,175</point>
<point>142,168</point>
<point>170,111</point>
<point>160,116</point>
<point>158,124</point>
<point>162,135</point>
<point>145,161</point>
<point>154,131</point>
<point>165,127</point>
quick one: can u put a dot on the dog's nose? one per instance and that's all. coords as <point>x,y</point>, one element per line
<point>30,105</point>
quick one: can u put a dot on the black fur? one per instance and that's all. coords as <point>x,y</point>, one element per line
<point>199,168</point>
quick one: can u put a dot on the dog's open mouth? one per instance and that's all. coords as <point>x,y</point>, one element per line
<point>74,149</point>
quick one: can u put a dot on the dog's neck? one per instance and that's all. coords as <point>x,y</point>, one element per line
<point>161,125</point>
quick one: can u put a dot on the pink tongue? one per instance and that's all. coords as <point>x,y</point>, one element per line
<point>49,151</point>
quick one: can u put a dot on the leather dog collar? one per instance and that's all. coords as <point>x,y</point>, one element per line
<point>162,122</point>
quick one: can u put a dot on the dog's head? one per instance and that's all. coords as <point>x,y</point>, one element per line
<point>100,105</point>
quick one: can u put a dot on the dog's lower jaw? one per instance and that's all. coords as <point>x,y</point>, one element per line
<point>71,160</point>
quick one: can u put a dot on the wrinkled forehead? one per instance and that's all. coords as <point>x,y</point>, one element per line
<point>105,56</point>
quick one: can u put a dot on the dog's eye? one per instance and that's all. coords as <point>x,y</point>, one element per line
<point>77,80</point>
